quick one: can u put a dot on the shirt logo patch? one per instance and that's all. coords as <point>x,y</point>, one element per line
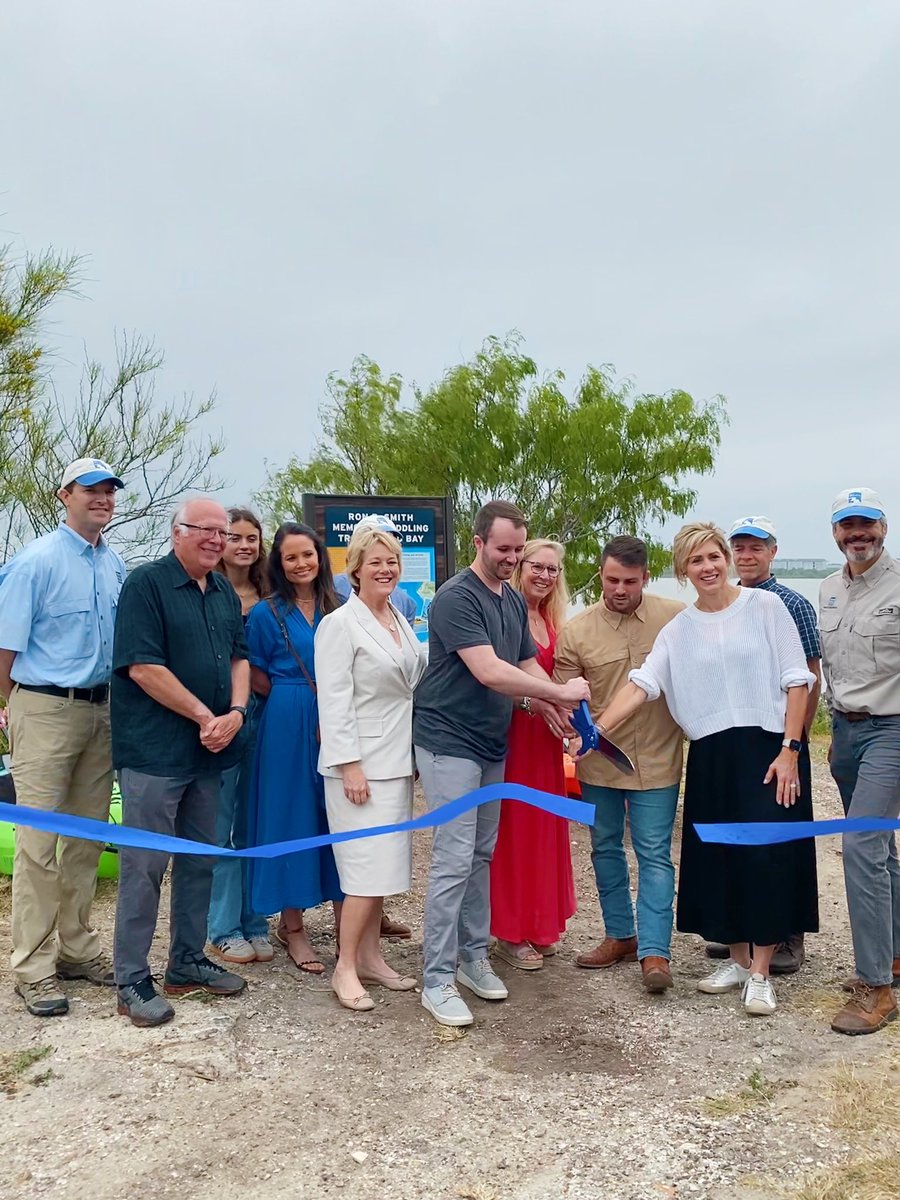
<point>890,611</point>
<point>831,602</point>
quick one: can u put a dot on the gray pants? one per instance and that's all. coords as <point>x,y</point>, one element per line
<point>181,805</point>
<point>865,763</point>
<point>458,901</point>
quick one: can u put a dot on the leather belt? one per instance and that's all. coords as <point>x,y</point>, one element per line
<point>858,716</point>
<point>94,695</point>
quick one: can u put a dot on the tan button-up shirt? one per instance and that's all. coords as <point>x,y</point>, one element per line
<point>859,619</point>
<point>604,646</point>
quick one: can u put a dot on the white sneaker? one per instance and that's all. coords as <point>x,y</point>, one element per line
<point>234,950</point>
<point>262,948</point>
<point>446,1005</point>
<point>725,977</point>
<point>758,996</point>
<point>481,978</point>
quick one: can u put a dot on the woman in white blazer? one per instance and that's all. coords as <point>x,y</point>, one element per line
<point>368,662</point>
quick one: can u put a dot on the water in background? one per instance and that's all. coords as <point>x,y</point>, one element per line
<point>673,590</point>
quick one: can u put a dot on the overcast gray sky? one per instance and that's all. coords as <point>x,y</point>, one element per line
<point>703,194</point>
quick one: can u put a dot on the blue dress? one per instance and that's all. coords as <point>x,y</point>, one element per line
<point>287,795</point>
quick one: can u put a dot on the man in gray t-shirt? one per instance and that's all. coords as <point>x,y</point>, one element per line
<point>481,657</point>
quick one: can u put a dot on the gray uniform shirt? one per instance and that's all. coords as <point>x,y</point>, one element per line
<point>859,619</point>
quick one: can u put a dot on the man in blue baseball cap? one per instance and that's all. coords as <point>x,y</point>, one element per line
<point>58,601</point>
<point>859,617</point>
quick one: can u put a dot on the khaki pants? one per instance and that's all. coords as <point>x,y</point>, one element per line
<point>61,762</point>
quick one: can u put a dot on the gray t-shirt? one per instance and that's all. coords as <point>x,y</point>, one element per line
<point>454,714</point>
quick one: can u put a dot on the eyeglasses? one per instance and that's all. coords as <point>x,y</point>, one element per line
<point>207,532</point>
<point>540,568</point>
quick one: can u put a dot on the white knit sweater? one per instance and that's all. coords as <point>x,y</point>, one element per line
<point>720,670</point>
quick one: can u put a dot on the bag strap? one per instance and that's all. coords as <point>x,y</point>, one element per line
<point>290,645</point>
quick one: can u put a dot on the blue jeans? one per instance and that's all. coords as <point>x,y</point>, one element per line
<point>230,913</point>
<point>651,815</point>
<point>865,763</point>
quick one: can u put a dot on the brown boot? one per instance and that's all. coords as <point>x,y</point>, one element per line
<point>608,953</point>
<point>868,1010</point>
<point>393,929</point>
<point>656,975</point>
<point>849,984</point>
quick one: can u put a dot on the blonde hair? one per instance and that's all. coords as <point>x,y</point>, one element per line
<point>688,541</point>
<point>555,604</point>
<point>361,542</point>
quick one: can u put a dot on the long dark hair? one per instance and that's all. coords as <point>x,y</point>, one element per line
<point>257,572</point>
<point>323,584</point>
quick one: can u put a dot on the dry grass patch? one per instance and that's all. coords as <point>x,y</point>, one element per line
<point>865,1101</point>
<point>822,1003</point>
<point>758,1091</point>
<point>15,1063</point>
<point>863,1179</point>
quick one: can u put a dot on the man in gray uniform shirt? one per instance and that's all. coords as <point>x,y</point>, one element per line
<point>481,656</point>
<point>859,617</point>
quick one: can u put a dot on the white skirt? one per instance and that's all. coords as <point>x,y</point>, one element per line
<point>378,866</point>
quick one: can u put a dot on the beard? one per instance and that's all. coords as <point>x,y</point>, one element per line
<point>864,554</point>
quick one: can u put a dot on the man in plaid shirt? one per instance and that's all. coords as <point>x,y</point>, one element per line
<point>754,544</point>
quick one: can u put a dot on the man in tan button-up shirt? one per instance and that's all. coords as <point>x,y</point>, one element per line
<point>603,644</point>
<point>859,618</point>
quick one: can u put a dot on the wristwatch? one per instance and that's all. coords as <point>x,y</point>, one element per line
<point>792,744</point>
<point>239,708</point>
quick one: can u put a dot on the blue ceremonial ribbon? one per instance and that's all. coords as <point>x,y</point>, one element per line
<point>766,833</point>
<point>143,839</point>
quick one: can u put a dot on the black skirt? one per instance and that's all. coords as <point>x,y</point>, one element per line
<point>760,894</point>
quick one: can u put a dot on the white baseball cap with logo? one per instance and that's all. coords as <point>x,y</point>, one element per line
<point>88,471</point>
<point>377,521</point>
<point>758,527</point>
<point>856,502</point>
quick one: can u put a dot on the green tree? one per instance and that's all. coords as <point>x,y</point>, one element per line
<point>583,467</point>
<point>158,448</point>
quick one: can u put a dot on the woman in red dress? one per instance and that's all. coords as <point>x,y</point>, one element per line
<point>532,890</point>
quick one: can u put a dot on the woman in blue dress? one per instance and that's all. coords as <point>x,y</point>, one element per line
<point>287,798</point>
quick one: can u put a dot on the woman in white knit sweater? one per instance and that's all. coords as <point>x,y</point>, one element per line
<point>734,676</point>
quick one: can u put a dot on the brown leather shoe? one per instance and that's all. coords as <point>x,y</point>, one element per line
<point>608,953</point>
<point>656,975</point>
<point>394,929</point>
<point>849,984</point>
<point>868,1010</point>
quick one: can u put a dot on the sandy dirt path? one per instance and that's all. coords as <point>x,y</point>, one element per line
<point>579,1086</point>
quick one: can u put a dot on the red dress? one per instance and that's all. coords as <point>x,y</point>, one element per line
<point>532,889</point>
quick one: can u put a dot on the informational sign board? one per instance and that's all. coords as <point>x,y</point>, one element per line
<point>425,529</point>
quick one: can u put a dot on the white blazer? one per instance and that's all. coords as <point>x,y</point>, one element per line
<point>365,686</point>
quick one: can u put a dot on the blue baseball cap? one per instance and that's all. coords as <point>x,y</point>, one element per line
<point>856,502</point>
<point>88,471</point>
<point>758,527</point>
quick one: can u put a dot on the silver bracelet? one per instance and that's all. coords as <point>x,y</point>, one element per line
<point>525,705</point>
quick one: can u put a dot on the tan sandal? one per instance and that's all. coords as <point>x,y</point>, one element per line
<point>514,955</point>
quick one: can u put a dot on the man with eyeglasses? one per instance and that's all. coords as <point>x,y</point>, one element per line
<point>57,609</point>
<point>603,644</point>
<point>180,687</point>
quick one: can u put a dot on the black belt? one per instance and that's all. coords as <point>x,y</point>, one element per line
<point>857,716</point>
<point>94,695</point>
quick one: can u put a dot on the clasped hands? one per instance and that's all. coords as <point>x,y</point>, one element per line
<point>218,732</point>
<point>557,713</point>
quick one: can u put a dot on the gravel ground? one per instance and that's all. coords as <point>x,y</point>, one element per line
<point>579,1086</point>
